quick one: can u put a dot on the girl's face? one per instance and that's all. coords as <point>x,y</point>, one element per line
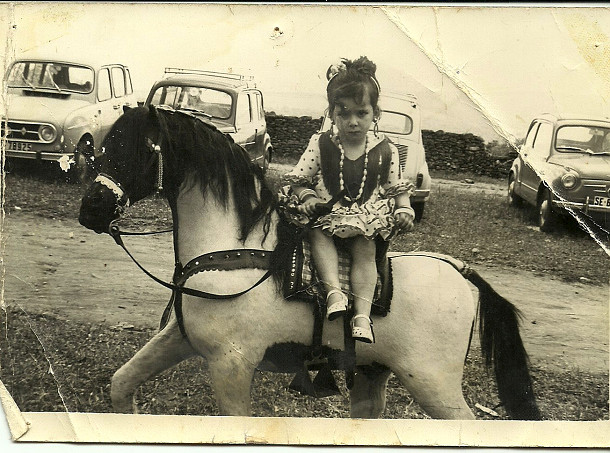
<point>353,120</point>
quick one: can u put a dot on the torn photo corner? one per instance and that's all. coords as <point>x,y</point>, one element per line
<point>157,288</point>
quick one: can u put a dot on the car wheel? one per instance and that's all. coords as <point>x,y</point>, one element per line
<point>513,198</point>
<point>418,207</point>
<point>81,170</point>
<point>266,161</point>
<point>547,219</point>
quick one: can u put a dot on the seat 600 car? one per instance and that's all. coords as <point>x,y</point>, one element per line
<point>231,102</point>
<point>564,168</point>
<point>400,121</point>
<point>60,109</point>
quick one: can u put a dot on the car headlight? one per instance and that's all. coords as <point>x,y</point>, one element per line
<point>47,133</point>
<point>569,180</point>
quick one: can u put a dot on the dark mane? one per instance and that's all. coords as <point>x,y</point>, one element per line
<point>197,153</point>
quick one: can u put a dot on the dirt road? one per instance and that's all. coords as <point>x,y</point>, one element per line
<point>59,267</point>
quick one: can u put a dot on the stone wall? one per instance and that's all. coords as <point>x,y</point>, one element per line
<point>445,151</point>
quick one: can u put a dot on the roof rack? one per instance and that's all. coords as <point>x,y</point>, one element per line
<point>229,75</point>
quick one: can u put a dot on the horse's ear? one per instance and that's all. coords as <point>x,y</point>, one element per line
<point>152,113</point>
<point>126,108</point>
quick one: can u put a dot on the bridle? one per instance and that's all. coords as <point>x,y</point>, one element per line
<point>219,260</point>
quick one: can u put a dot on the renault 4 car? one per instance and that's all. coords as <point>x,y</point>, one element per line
<point>400,121</point>
<point>60,109</point>
<point>231,102</point>
<point>563,168</point>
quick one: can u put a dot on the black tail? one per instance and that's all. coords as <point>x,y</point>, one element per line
<point>501,345</point>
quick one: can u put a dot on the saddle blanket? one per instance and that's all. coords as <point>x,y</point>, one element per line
<point>303,282</point>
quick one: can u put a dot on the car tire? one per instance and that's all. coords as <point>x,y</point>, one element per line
<point>266,161</point>
<point>513,199</point>
<point>547,218</point>
<point>418,207</point>
<point>81,171</point>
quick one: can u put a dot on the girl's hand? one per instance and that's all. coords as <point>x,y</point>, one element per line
<point>404,221</point>
<point>308,207</point>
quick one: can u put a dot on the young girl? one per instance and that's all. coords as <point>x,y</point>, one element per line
<point>359,172</point>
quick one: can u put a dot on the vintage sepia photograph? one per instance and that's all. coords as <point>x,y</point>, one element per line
<point>305,224</point>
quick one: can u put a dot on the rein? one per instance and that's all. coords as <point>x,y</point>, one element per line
<point>236,259</point>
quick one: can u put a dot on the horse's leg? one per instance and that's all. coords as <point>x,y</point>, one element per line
<point>232,371</point>
<point>438,391</point>
<point>367,396</point>
<point>164,350</point>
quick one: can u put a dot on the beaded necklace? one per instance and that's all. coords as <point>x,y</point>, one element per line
<point>364,172</point>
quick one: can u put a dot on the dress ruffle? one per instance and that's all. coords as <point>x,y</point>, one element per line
<point>297,180</point>
<point>399,188</point>
<point>371,219</point>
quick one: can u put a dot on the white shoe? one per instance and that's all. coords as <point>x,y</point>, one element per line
<point>364,334</point>
<point>339,308</point>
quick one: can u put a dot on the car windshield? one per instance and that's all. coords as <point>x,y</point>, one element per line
<point>583,139</point>
<point>395,123</point>
<point>214,103</point>
<point>50,75</point>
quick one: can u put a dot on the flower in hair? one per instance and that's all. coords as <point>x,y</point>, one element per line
<point>335,69</point>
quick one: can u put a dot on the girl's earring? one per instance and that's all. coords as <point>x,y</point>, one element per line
<point>376,128</point>
<point>332,129</point>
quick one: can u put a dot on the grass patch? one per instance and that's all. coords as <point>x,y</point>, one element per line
<point>83,358</point>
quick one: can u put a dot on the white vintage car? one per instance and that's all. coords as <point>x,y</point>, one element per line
<point>60,109</point>
<point>563,169</point>
<point>400,121</point>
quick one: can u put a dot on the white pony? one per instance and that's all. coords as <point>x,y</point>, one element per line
<point>220,203</point>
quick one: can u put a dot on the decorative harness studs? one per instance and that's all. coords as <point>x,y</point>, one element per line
<point>120,194</point>
<point>154,148</point>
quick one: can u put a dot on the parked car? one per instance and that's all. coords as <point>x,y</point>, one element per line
<point>61,109</point>
<point>400,121</point>
<point>563,167</point>
<point>229,101</point>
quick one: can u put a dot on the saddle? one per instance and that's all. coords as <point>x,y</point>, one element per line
<point>302,282</point>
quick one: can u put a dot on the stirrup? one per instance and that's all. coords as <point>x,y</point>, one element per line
<point>337,309</point>
<point>362,333</point>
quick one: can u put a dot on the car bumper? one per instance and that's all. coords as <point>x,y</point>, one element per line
<point>37,155</point>
<point>585,207</point>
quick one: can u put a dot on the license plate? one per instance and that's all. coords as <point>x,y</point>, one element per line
<point>601,201</point>
<point>18,146</point>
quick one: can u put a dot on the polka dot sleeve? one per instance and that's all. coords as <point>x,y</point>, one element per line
<point>397,183</point>
<point>303,174</point>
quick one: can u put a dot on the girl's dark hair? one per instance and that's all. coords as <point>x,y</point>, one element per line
<point>353,80</point>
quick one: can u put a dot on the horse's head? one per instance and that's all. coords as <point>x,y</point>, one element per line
<point>129,167</point>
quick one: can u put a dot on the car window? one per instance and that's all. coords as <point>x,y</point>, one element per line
<point>261,110</point>
<point>542,142</point>
<point>253,107</point>
<point>243,115</point>
<point>118,81</point>
<point>529,140</point>
<point>128,85</point>
<point>581,138</point>
<point>213,102</point>
<point>103,87</point>
<point>51,75</point>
